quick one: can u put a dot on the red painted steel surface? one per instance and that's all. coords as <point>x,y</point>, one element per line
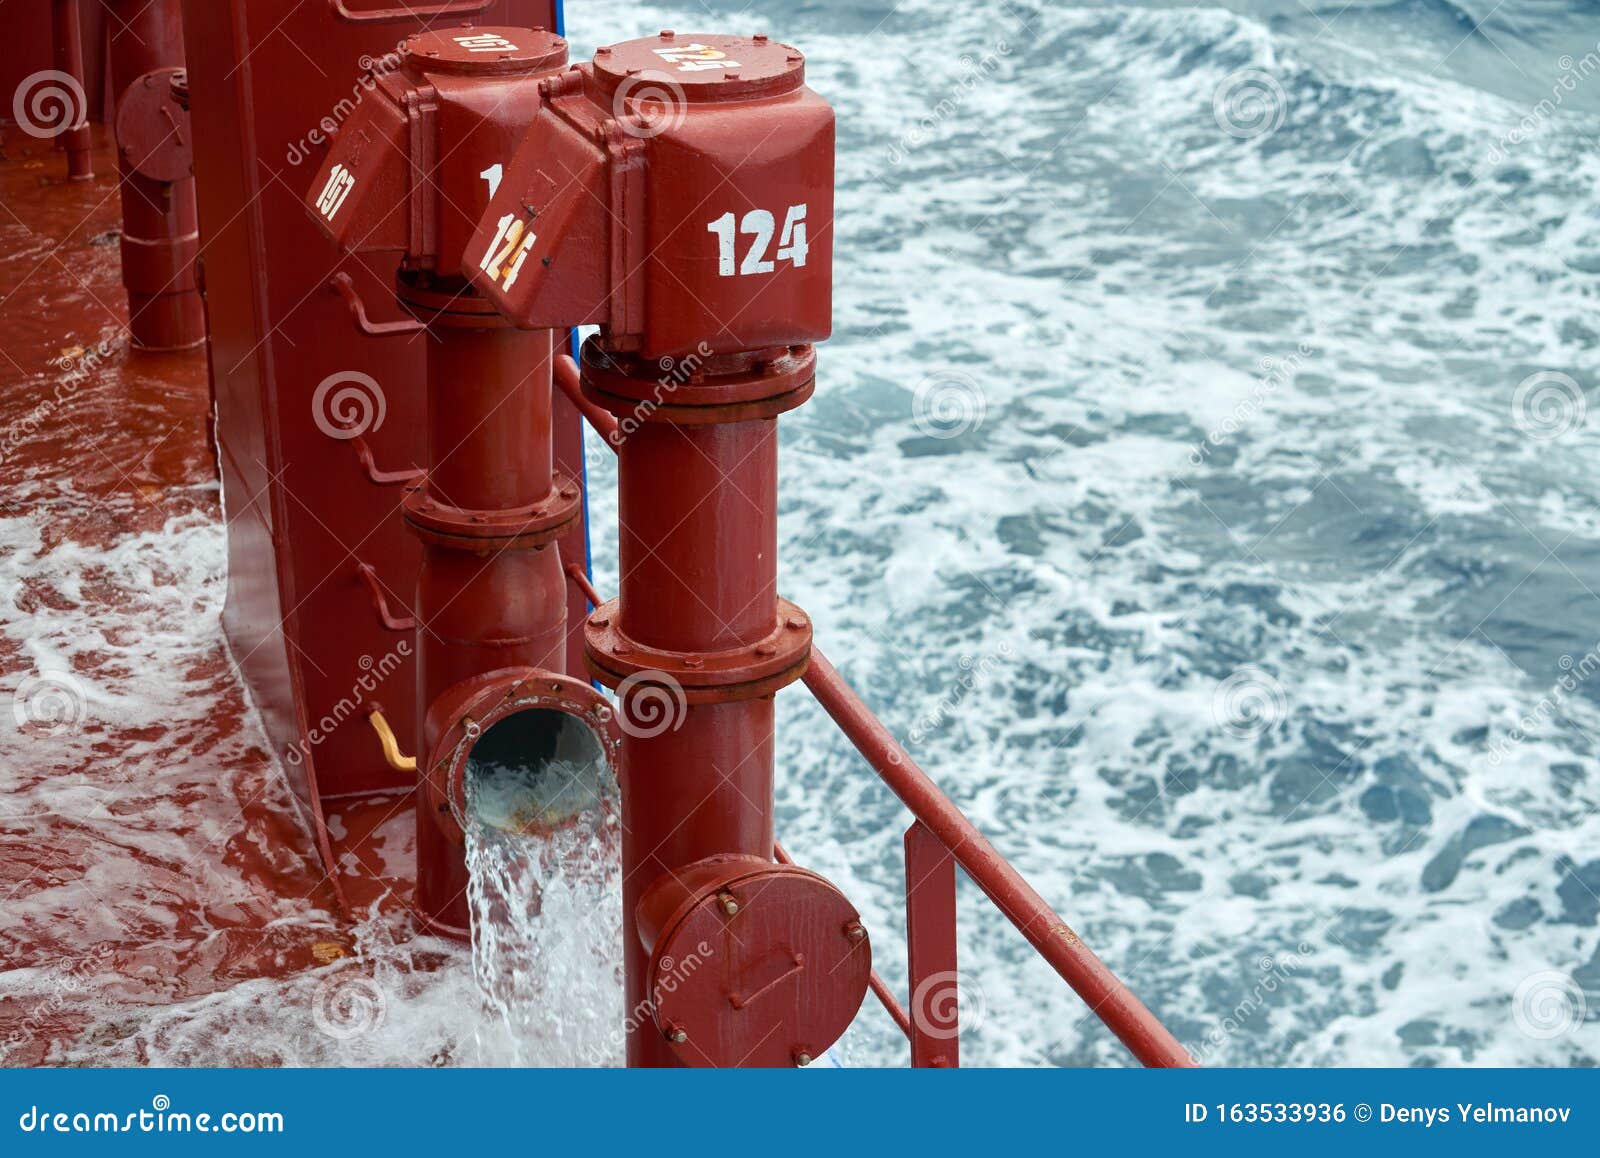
<point>412,172</point>
<point>199,876</point>
<point>304,511</point>
<point>931,950</point>
<point>467,710</point>
<point>160,229</point>
<point>751,963</point>
<point>701,169</point>
<point>32,54</point>
<point>1135,1025</point>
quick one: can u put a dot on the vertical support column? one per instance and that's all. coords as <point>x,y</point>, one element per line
<point>698,642</point>
<point>931,949</point>
<point>69,59</point>
<point>160,227</point>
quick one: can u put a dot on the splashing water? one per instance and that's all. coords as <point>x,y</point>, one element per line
<point>544,858</point>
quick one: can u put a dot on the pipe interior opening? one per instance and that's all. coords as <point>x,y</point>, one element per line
<point>538,770</point>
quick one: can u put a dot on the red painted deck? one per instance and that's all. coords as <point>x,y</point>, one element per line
<point>149,850</point>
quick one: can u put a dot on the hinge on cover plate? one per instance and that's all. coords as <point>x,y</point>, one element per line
<point>422,107</point>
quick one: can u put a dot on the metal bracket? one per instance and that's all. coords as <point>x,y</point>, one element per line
<point>382,478</point>
<point>401,12</point>
<point>380,603</point>
<point>341,284</point>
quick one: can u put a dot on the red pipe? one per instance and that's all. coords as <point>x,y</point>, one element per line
<point>69,59</point>
<point>484,602</point>
<point>1109,999</point>
<point>699,575</point>
<point>604,422</point>
<point>160,228</point>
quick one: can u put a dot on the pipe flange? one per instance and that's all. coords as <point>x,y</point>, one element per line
<point>449,302</point>
<point>697,391</point>
<point>465,711</point>
<point>515,528</point>
<point>703,677</point>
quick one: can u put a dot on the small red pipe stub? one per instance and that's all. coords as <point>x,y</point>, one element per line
<point>752,963</point>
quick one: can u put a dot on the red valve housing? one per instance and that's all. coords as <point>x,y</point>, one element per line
<point>678,191</point>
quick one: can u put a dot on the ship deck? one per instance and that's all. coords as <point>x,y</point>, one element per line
<point>150,852</point>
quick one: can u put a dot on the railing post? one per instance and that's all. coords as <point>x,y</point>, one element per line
<point>931,950</point>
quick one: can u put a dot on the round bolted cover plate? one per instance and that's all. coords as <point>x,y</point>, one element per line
<point>780,978</point>
<point>153,128</point>
<point>485,50</point>
<point>683,67</point>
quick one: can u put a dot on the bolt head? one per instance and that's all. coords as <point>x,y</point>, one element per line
<point>802,1058</point>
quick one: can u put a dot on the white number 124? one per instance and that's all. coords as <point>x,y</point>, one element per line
<point>759,225</point>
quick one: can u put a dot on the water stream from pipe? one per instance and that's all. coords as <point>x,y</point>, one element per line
<point>544,857</point>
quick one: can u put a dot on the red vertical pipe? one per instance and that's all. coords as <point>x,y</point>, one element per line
<point>480,605</point>
<point>931,950</point>
<point>160,228</point>
<point>697,508</point>
<point>69,59</point>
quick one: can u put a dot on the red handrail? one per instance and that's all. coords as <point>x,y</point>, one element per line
<point>1108,998</point>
